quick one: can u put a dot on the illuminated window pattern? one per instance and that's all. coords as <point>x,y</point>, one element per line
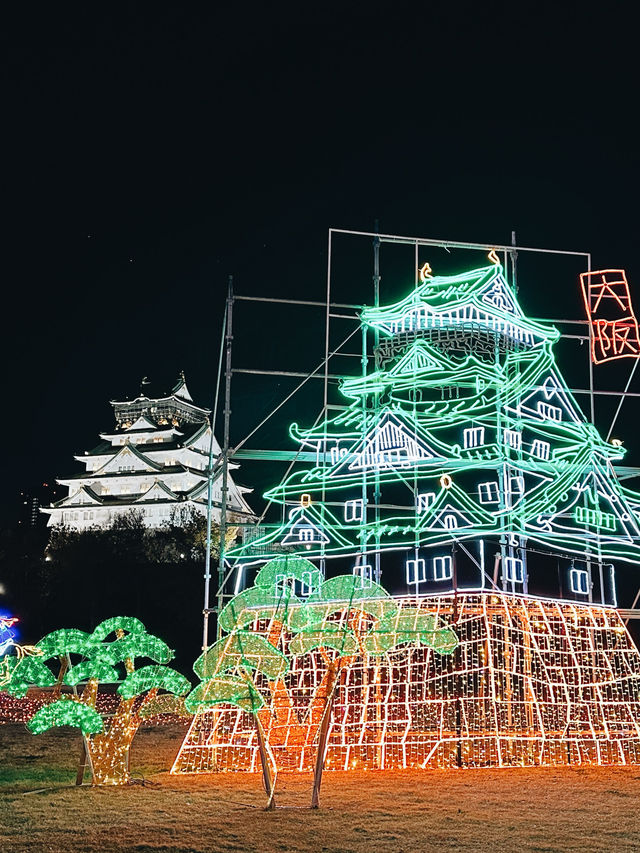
<point>473,437</point>
<point>513,438</point>
<point>533,682</point>
<point>442,568</point>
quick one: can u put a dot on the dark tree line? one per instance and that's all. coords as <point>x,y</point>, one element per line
<point>61,577</point>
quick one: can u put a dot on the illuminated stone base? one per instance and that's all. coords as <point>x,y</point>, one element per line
<point>533,682</point>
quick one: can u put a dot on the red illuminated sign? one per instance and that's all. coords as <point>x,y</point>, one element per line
<point>614,328</point>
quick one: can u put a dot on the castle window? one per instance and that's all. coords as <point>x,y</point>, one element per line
<point>354,510</point>
<point>424,501</point>
<point>540,449</point>
<point>579,581</point>
<point>416,571</point>
<point>513,438</point>
<point>364,575</point>
<point>516,485</point>
<point>305,534</point>
<point>303,587</point>
<point>488,493</point>
<point>473,437</point>
<point>442,568</point>
<point>513,569</point>
<point>549,413</point>
<point>450,522</point>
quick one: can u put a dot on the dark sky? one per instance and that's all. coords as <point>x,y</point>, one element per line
<point>149,150</point>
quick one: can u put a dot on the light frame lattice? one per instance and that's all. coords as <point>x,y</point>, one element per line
<point>532,682</point>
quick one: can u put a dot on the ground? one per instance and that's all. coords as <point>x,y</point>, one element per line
<point>585,809</point>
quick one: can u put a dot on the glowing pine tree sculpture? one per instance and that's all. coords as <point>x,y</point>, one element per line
<point>108,655</point>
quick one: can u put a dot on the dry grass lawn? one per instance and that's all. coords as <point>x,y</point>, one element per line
<point>594,809</point>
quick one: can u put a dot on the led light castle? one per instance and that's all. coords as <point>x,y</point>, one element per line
<point>463,462</point>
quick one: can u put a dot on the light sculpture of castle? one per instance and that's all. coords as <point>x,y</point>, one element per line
<point>463,471</point>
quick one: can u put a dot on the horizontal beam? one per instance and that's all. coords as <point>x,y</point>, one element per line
<point>452,244</point>
<point>630,613</point>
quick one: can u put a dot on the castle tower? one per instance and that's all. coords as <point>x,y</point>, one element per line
<point>153,462</point>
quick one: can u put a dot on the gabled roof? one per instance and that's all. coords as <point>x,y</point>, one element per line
<point>158,491</point>
<point>180,389</point>
<point>83,496</point>
<point>143,423</point>
<point>124,452</point>
<point>481,297</point>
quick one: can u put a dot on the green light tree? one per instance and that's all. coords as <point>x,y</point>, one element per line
<point>339,619</point>
<point>108,655</point>
<point>227,670</point>
<point>344,621</point>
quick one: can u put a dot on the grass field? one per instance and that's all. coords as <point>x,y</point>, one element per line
<point>592,809</point>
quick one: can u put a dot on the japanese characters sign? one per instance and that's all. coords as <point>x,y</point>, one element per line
<point>614,327</point>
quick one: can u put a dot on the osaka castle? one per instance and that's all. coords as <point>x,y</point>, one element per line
<point>154,462</point>
<point>447,542</point>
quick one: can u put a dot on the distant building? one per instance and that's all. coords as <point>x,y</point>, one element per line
<point>154,462</point>
<point>30,501</point>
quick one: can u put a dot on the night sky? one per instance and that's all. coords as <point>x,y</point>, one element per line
<point>150,150</point>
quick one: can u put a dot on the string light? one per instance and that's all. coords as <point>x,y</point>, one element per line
<point>338,624</point>
<point>116,642</point>
<point>532,682</point>
<point>467,415</point>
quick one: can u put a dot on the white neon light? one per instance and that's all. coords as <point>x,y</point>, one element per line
<point>513,438</point>
<point>516,485</point>
<point>513,569</point>
<point>540,449</point>
<point>473,437</point>
<point>424,501</point>
<point>442,568</point>
<point>364,573</point>
<point>579,581</point>
<point>416,571</point>
<point>390,446</point>
<point>450,522</point>
<point>354,510</point>
<point>549,413</point>
<point>489,493</point>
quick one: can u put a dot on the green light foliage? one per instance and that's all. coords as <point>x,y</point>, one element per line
<point>163,704</point>
<point>150,677</point>
<point>232,690</point>
<point>340,639</point>
<point>410,625</point>
<point>91,669</point>
<point>103,661</point>
<point>288,567</point>
<point>63,641</point>
<point>241,649</point>
<point>349,588</point>
<point>257,603</point>
<point>129,624</point>
<point>135,646</point>
<point>66,712</point>
<point>30,671</point>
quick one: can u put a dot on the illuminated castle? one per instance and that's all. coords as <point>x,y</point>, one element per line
<point>154,462</point>
<point>465,434</point>
<point>463,467</point>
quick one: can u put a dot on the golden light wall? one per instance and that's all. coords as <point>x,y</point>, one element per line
<point>533,682</point>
